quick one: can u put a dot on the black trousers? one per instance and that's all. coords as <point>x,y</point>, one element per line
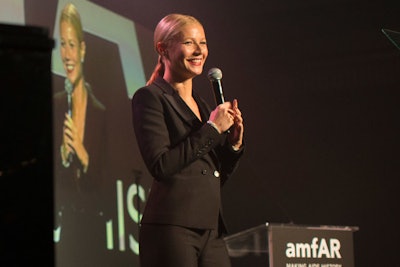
<point>175,246</point>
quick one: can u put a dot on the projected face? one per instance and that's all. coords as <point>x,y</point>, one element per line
<point>187,55</point>
<point>72,53</point>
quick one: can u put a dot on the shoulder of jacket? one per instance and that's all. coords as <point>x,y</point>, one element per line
<point>95,101</point>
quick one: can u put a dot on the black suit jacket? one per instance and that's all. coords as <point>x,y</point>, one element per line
<point>188,158</point>
<point>83,191</point>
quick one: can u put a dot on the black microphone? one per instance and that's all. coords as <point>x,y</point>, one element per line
<point>215,76</point>
<point>69,88</point>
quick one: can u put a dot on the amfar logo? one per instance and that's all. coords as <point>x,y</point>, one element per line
<point>314,250</point>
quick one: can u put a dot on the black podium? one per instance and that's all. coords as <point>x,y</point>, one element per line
<point>26,165</point>
<point>290,245</point>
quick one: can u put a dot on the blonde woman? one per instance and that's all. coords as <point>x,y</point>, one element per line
<point>79,123</point>
<point>187,149</point>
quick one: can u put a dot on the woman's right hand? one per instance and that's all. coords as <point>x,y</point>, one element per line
<point>223,117</point>
<point>73,143</point>
<point>66,149</point>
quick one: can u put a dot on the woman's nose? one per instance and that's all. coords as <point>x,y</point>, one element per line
<point>66,53</point>
<point>199,49</point>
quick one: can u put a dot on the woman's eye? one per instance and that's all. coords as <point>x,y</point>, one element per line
<point>191,43</point>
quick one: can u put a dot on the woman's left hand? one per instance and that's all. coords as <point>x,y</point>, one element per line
<point>235,136</point>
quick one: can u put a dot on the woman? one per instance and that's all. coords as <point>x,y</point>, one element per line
<point>80,120</point>
<point>188,150</point>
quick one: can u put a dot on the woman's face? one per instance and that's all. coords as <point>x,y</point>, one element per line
<point>187,54</point>
<point>72,53</point>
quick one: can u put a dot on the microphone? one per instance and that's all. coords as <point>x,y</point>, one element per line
<point>69,88</point>
<point>215,76</point>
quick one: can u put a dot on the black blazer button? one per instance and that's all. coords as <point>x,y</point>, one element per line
<point>204,172</point>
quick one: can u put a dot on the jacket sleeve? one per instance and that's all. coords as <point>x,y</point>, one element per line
<point>229,160</point>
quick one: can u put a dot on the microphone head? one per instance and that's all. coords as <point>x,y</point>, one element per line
<point>214,74</point>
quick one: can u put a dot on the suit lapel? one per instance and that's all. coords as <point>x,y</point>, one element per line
<point>203,107</point>
<point>176,101</point>
<point>183,110</point>
<point>180,107</point>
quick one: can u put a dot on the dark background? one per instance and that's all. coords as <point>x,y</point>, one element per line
<point>318,85</point>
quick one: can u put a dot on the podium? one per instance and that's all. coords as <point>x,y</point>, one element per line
<point>290,245</point>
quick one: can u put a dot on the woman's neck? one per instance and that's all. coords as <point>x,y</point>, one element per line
<point>182,85</point>
<point>79,100</point>
<point>79,95</point>
<point>184,90</point>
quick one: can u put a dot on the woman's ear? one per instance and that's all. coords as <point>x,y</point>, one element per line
<point>161,49</point>
<point>83,51</point>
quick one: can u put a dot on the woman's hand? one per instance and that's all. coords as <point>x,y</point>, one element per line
<point>222,117</point>
<point>227,116</point>
<point>73,144</point>
<point>235,136</point>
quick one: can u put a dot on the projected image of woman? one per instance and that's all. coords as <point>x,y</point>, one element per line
<point>79,124</point>
<point>187,149</point>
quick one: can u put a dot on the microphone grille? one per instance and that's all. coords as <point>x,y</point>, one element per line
<point>214,74</point>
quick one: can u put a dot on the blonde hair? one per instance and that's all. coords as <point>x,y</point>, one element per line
<point>71,15</point>
<point>167,30</point>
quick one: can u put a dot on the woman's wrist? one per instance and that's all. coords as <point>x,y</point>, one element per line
<point>213,125</point>
<point>236,147</point>
<point>64,157</point>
